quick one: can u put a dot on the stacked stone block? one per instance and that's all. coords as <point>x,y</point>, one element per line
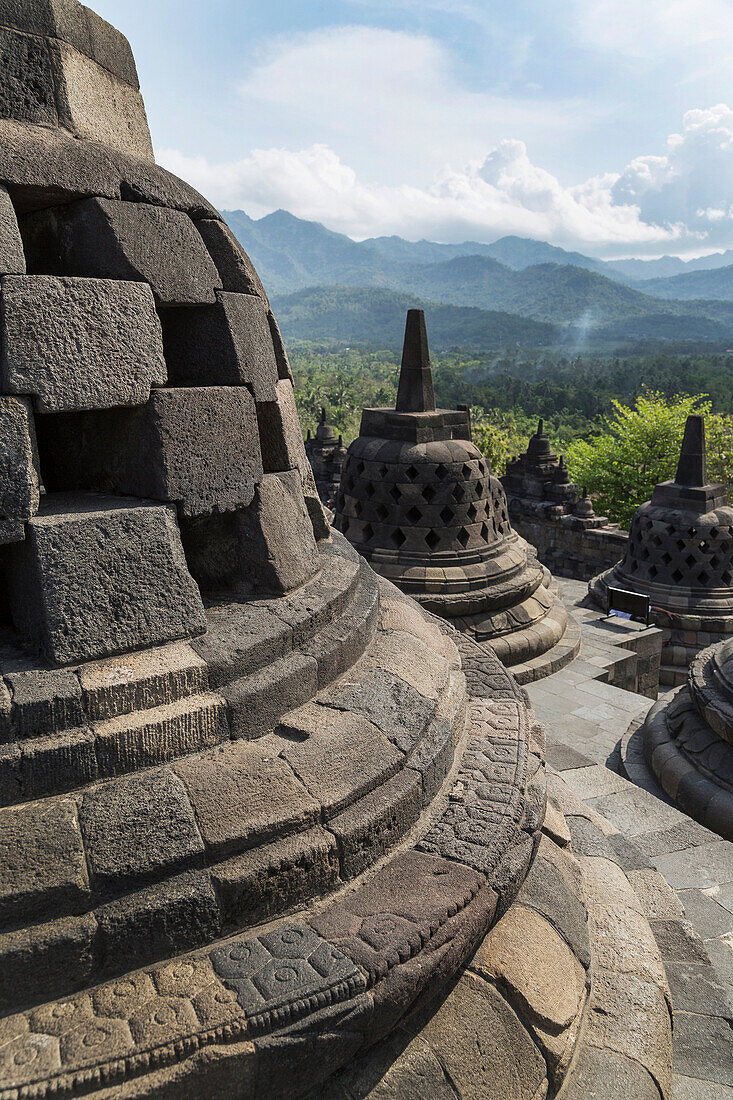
<point>140,363</point>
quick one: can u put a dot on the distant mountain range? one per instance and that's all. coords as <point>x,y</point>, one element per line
<point>363,315</point>
<point>531,280</point>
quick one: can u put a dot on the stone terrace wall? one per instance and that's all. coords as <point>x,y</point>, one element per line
<point>569,552</point>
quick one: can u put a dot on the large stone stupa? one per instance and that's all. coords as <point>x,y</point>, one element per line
<point>418,500</point>
<point>680,554</point>
<point>257,811</point>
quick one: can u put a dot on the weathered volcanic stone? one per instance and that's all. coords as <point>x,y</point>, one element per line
<point>243,795</point>
<point>79,343</point>
<point>79,26</point>
<point>227,344</point>
<point>129,587</point>
<point>102,238</point>
<point>340,755</point>
<point>19,480</point>
<point>12,257</point>
<point>280,436</point>
<point>138,827</point>
<point>43,865</point>
<point>31,100</point>
<point>236,270</point>
<point>95,105</point>
<point>278,548</point>
<point>153,452</point>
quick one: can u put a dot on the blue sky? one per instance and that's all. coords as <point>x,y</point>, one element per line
<point>602,125</point>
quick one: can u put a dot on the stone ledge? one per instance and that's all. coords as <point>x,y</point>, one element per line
<point>439,910</point>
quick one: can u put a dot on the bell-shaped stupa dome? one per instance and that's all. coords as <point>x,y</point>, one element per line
<point>418,500</point>
<point>680,554</point>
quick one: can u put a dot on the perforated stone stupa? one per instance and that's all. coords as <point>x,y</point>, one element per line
<point>326,454</point>
<point>418,500</point>
<point>680,553</point>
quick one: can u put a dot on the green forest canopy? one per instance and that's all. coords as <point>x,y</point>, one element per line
<point>595,408</point>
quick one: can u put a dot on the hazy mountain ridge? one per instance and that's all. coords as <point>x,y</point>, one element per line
<point>293,255</point>
<point>375,315</point>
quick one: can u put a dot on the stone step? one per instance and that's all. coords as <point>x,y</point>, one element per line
<point>41,766</point>
<point>258,701</point>
<point>45,702</point>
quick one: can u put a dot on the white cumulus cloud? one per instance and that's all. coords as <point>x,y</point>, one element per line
<point>680,200</point>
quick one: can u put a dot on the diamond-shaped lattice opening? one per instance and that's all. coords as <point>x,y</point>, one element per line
<point>369,490</point>
<point>681,544</point>
<point>653,571</point>
<point>704,547</point>
<point>670,529</point>
<point>398,538</point>
<point>348,483</point>
<point>367,533</point>
<point>359,468</point>
<point>471,512</point>
<point>677,576</point>
<point>667,559</point>
<point>656,541</point>
<point>691,532</point>
<point>644,553</point>
<point>457,493</point>
<point>396,493</point>
<point>414,514</point>
<point>713,533</point>
<point>466,471</point>
<point>463,537</point>
<point>715,561</point>
<point>432,540</point>
<point>411,473</point>
<point>485,532</point>
<point>441,471</point>
<point>382,471</point>
<point>704,577</point>
<point>690,561</point>
<point>428,494</point>
<point>724,546</point>
<point>382,511</point>
<point>634,566</point>
<point>727,577</point>
<point>447,515</point>
<point>342,522</point>
<point>358,508</point>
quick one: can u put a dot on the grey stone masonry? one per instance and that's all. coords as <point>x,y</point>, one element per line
<point>55,83</point>
<point>12,257</point>
<point>79,343</point>
<point>236,270</point>
<point>155,451</point>
<point>227,344</point>
<point>79,27</point>
<point>550,511</point>
<point>103,238</point>
<point>326,454</point>
<point>19,477</point>
<point>129,586</point>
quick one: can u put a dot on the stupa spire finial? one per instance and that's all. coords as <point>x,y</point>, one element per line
<point>692,466</point>
<point>415,392</point>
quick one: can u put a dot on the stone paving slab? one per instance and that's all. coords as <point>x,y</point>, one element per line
<point>688,883</point>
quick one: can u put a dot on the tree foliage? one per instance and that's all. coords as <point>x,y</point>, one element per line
<point>639,446</point>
